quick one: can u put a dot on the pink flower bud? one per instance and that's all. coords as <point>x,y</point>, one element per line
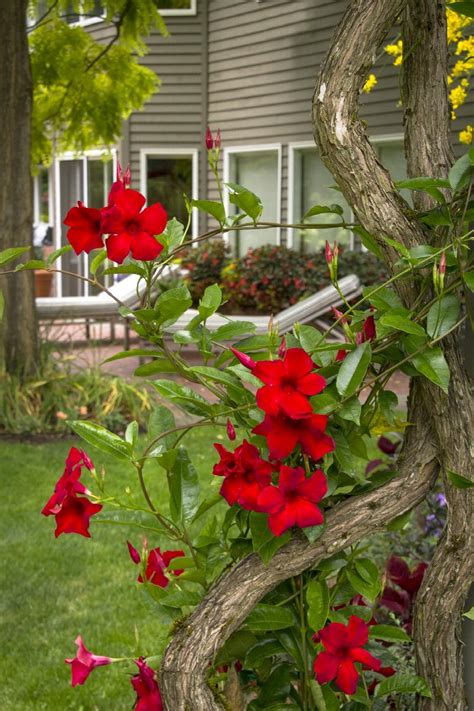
<point>335,251</point>
<point>119,172</point>
<point>244,359</point>
<point>442,264</point>
<point>328,253</point>
<point>209,139</point>
<point>338,315</point>
<point>282,349</point>
<point>134,554</point>
<point>230,430</point>
<point>217,142</point>
<point>127,177</point>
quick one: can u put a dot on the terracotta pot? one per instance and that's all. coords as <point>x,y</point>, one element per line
<point>43,282</point>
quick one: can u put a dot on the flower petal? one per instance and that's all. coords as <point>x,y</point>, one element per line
<point>307,513</point>
<point>293,404</point>
<point>266,400</point>
<point>357,632</point>
<point>362,655</point>
<point>347,677</point>
<point>129,202</point>
<point>145,247</point>
<point>270,500</point>
<point>118,247</point>
<point>153,219</point>
<point>314,488</point>
<point>282,520</point>
<point>311,384</point>
<point>325,667</point>
<point>297,362</point>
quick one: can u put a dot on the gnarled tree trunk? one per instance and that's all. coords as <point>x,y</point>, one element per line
<point>20,330</point>
<point>442,425</point>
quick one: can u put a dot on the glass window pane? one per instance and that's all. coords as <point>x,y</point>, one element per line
<point>312,186</point>
<point>166,181</point>
<point>71,190</point>
<point>98,177</point>
<point>257,171</point>
<point>173,4</point>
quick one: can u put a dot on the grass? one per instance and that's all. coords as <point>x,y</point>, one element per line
<point>53,590</point>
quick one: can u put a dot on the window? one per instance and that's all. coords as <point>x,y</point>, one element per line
<point>87,178</point>
<point>89,16</point>
<point>176,7</point>
<point>310,183</point>
<point>259,170</point>
<point>166,175</point>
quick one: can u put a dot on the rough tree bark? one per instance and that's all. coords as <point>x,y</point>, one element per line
<point>442,425</point>
<point>445,587</point>
<point>20,331</point>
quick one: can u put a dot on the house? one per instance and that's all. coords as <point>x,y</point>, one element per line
<point>247,67</point>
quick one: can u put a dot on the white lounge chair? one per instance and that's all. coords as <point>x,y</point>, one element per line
<point>304,311</point>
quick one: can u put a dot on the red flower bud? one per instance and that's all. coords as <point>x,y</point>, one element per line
<point>328,252</point>
<point>282,349</point>
<point>119,175</point>
<point>217,142</point>
<point>442,264</point>
<point>127,177</point>
<point>230,430</point>
<point>209,139</point>
<point>244,359</point>
<point>134,554</point>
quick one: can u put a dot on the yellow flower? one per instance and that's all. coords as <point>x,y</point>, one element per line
<point>396,51</point>
<point>369,84</point>
<point>466,135</point>
<point>458,95</point>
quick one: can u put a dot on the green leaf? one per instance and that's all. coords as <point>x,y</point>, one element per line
<point>183,396</point>
<point>233,329</point>
<point>370,590</point>
<point>353,369</point>
<point>263,541</point>
<point>7,255</point>
<point>245,200</point>
<point>182,562</point>
<point>400,319</point>
<point>173,234</point>
<point>384,299</point>
<point>459,481</point>
<point>100,257</point>
<point>469,279</point>
<point>206,505</point>
<point>171,304</point>
<point>125,269</point>
<point>210,301</point>
<point>103,439</point>
<point>309,337</point>
<point>322,209</point>
<point>429,362</point>
<point>183,487</point>
<point>132,353</point>
<point>399,523</point>
<point>459,171</point>
<point>263,649</point>
<point>324,697</point>
<point>58,253</point>
<point>216,209</point>
<point>157,365</point>
<point>442,316</point>
<point>402,684</point>
<point>388,633</point>
<point>161,420</point>
<point>236,647</point>
<point>469,614</point>
<point>427,185</point>
<point>131,433</point>
<point>463,8</point>
<point>188,598</point>
<point>351,410</point>
<point>317,597</point>
<point>269,617</point>
<point>211,373</point>
<point>31,264</point>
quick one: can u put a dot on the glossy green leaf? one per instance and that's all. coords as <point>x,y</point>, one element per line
<point>430,362</point>
<point>184,397</point>
<point>351,410</point>
<point>160,421</point>
<point>125,269</point>
<point>157,365</point>
<point>216,209</point>
<point>388,633</point>
<point>210,301</point>
<point>268,617</point>
<point>58,253</point>
<point>8,255</point>
<point>442,316</point>
<point>188,598</point>
<point>98,259</point>
<point>131,433</point>
<point>469,614</point>
<point>459,172</point>
<point>317,597</point>
<point>171,304</point>
<point>263,541</point>
<point>263,649</point>
<point>236,647</point>
<point>463,8</point>
<point>173,234</point>
<point>384,299</point>
<point>183,487</point>
<point>459,481</point>
<point>245,200</point>
<point>323,209</point>
<point>31,264</point>
<point>469,280</point>
<point>233,329</point>
<point>362,586</point>
<point>402,684</point>
<point>102,439</point>
<point>353,370</point>
<point>400,320</point>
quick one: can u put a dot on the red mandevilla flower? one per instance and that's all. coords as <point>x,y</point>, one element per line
<point>288,384</point>
<point>72,512</point>
<point>146,687</point>
<point>84,662</point>
<point>293,501</point>
<point>283,434</point>
<point>399,573</point>
<point>85,229</point>
<point>246,474</point>
<point>132,229</point>
<point>344,646</point>
<point>156,565</point>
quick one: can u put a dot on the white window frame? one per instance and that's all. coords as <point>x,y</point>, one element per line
<point>167,152</point>
<point>55,215</point>
<point>383,139</point>
<point>86,21</point>
<point>254,148</point>
<point>178,12</point>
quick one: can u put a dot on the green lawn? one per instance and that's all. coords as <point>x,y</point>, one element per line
<point>53,590</point>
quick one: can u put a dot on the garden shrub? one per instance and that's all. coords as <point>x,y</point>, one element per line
<point>204,264</point>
